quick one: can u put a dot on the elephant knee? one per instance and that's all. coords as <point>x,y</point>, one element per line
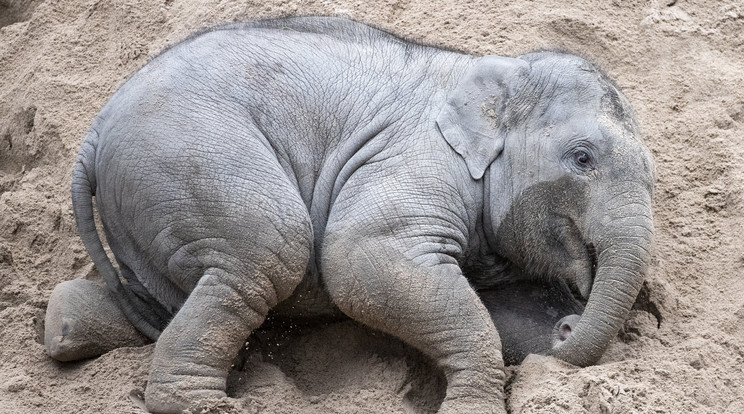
<point>289,265</point>
<point>358,276</point>
<point>278,254</point>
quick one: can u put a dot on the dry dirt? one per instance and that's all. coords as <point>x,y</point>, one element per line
<point>681,64</point>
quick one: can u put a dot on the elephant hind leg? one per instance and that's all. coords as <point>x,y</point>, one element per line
<point>83,321</point>
<point>193,354</point>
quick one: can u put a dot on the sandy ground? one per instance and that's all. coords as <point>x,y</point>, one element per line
<point>681,64</point>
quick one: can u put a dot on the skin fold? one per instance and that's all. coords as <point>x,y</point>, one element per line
<point>318,166</point>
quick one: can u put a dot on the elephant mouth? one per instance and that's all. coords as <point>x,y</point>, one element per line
<point>592,252</point>
<point>581,283</point>
<point>584,284</point>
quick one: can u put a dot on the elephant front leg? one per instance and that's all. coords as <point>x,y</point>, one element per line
<point>429,305</point>
<point>193,355</point>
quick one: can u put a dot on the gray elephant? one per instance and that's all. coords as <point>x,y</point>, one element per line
<point>316,165</point>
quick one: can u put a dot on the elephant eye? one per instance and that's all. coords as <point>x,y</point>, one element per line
<point>583,159</point>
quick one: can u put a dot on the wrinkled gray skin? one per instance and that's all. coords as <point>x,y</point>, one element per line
<point>326,165</point>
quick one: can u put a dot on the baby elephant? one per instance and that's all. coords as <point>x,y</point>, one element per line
<point>315,165</point>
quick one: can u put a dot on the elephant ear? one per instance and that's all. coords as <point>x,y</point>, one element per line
<point>472,118</point>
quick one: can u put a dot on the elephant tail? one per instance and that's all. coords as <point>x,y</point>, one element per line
<point>83,189</point>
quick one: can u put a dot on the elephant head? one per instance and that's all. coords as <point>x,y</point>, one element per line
<point>568,181</point>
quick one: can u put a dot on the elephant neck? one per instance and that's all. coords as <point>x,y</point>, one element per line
<point>483,265</point>
<point>485,269</point>
<point>496,201</point>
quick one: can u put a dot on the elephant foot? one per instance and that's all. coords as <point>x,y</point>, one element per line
<point>175,397</point>
<point>462,405</point>
<point>82,321</point>
<point>475,391</point>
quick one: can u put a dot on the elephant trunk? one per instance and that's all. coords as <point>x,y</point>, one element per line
<point>623,251</point>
